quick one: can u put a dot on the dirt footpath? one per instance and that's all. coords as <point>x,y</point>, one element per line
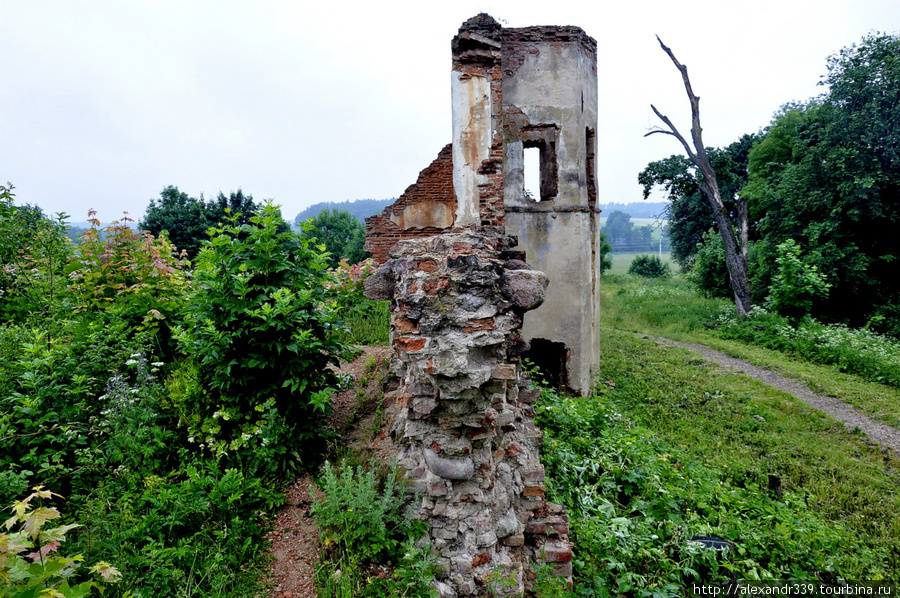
<point>834,408</point>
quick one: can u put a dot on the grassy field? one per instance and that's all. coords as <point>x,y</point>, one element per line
<point>640,222</point>
<point>742,428</point>
<point>672,309</point>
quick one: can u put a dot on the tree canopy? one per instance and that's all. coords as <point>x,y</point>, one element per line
<point>689,213</point>
<point>186,219</point>
<point>342,234</point>
<point>825,174</point>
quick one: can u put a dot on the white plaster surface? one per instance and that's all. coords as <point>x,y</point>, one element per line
<point>470,97</point>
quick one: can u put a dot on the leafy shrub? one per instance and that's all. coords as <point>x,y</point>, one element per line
<point>861,352</point>
<point>125,275</point>
<point>34,250</point>
<point>363,525</point>
<point>195,530</point>
<point>38,572</point>
<point>364,521</point>
<point>260,332</point>
<point>649,266</point>
<point>795,286</point>
<point>708,270</point>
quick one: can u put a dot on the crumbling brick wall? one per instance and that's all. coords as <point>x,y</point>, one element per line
<point>462,417</point>
<point>432,192</point>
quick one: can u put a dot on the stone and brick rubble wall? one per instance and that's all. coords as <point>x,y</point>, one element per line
<point>434,185</point>
<point>462,417</point>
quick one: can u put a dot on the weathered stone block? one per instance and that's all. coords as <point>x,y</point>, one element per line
<point>524,288</point>
<point>449,468</point>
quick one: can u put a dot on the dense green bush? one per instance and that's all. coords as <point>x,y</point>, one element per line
<point>796,285</point>
<point>649,266</point>
<point>708,270</point>
<point>83,407</point>
<point>861,351</point>
<point>259,334</point>
<point>34,250</point>
<point>41,572</point>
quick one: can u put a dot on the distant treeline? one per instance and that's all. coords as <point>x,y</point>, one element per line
<point>641,209</point>
<point>360,208</point>
<point>363,208</point>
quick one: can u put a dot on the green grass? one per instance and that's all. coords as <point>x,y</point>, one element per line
<point>368,323</point>
<point>743,428</point>
<point>749,430</point>
<point>671,308</point>
<point>640,222</point>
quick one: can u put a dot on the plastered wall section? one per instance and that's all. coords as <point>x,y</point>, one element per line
<point>470,96</point>
<point>552,80</point>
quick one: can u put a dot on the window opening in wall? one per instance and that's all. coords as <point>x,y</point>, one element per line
<point>542,179</point>
<point>533,173</point>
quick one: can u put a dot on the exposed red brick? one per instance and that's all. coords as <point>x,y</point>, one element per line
<point>479,324</point>
<point>480,560</point>
<point>404,326</point>
<point>408,344</point>
<point>435,184</point>
<point>427,265</point>
<point>534,491</point>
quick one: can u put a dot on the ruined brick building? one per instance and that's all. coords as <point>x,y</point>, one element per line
<point>513,90</point>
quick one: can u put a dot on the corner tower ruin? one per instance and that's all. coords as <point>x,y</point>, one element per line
<point>515,90</point>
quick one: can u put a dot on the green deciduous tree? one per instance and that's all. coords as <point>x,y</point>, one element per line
<point>688,212</point>
<point>340,232</point>
<point>186,219</point>
<point>605,249</point>
<point>827,175</point>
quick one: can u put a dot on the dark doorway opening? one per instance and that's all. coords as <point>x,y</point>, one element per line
<point>550,357</point>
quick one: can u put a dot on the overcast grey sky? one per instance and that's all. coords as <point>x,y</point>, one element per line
<point>103,103</point>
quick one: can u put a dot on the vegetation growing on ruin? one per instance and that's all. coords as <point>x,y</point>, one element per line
<point>167,403</point>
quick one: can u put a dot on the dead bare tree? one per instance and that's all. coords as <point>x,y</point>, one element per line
<point>735,254</point>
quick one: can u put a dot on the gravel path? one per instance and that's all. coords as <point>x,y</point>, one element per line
<point>835,408</point>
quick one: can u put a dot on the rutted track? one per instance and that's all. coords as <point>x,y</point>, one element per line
<point>835,408</point>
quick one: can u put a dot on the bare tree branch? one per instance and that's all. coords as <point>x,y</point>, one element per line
<point>736,262</point>
<point>673,131</point>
